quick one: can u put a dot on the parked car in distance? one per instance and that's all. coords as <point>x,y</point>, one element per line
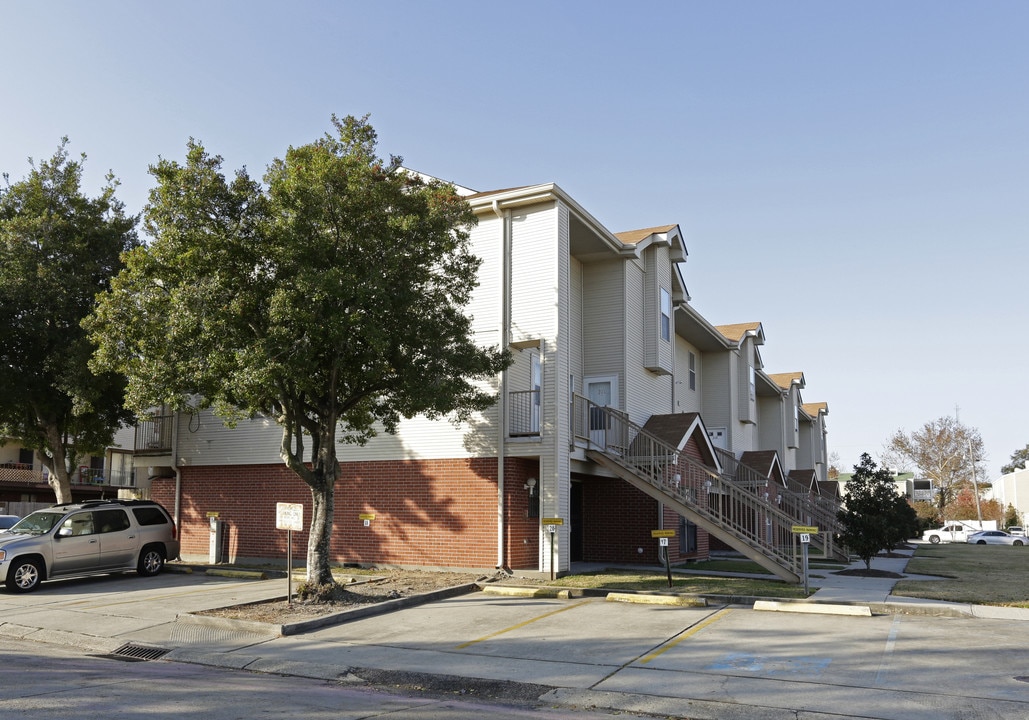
<point>1016,530</point>
<point>7,521</point>
<point>88,538</point>
<point>994,537</point>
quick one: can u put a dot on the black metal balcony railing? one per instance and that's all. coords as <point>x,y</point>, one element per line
<point>154,434</point>
<point>523,413</point>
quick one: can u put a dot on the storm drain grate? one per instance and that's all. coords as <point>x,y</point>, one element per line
<point>139,653</point>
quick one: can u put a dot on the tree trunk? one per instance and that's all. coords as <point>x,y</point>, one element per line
<point>59,477</point>
<point>324,473</point>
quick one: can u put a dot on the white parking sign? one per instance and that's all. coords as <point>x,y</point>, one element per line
<point>289,516</point>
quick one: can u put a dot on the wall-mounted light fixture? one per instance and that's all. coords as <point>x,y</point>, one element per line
<point>533,510</point>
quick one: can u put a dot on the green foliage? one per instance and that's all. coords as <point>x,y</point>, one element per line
<point>332,300</point>
<point>874,517</point>
<point>58,249</point>
<point>1019,460</point>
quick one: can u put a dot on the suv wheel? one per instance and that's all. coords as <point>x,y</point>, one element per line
<point>151,561</point>
<point>934,539</point>
<point>24,575</point>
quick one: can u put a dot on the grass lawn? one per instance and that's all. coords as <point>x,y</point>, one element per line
<point>977,574</point>
<point>658,581</point>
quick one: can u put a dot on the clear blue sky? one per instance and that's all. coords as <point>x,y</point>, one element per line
<point>855,175</point>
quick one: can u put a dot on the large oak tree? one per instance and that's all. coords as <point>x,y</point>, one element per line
<point>947,452</point>
<point>331,298</point>
<point>58,249</point>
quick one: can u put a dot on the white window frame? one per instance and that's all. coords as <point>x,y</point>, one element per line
<point>666,315</point>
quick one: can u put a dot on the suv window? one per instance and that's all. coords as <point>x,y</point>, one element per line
<point>108,521</point>
<point>77,524</point>
<point>150,516</point>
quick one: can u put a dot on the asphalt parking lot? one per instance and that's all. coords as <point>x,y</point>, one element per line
<point>678,661</point>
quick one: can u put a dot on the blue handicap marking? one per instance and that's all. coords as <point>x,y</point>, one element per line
<point>744,662</point>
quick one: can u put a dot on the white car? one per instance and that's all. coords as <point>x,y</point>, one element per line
<point>1016,530</point>
<point>994,537</point>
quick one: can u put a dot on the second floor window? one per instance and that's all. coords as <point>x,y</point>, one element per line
<point>693,371</point>
<point>666,315</point>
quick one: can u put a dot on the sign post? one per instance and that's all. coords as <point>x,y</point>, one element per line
<point>552,523</point>
<point>805,532</point>
<point>662,536</point>
<point>289,517</point>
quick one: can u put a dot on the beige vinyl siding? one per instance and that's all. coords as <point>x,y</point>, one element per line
<point>646,393</point>
<point>658,352</point>
<point>770,425</point>
<point>603,321</point>
<point>574,334</point>
<point>535,247</point>
<point>486,241</point>
<point>687,400</point>
<point>717,391</point>
<point>747,395</point>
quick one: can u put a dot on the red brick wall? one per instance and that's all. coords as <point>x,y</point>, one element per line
<point>435,513</point>
<point>616,521</point>
<point>522,532</point>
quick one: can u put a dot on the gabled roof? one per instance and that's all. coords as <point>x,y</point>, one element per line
<point>807,479</point>
<point>829,489</point>
<point>815,408</point>
<point>787,380</point>
<point>765,462</point>
<point>677,429</point>
<point>738,331</point>
<point>631,237</point>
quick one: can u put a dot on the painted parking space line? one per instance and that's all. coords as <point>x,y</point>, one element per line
<point>887,659</point>
<point>692,630</point>
<point>530,621</point>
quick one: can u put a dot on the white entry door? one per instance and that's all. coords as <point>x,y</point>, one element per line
<point>602,391</point>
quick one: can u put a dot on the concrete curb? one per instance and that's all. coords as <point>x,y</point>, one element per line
<point>339,618</point>
<point>814,608</point>
<point>646,599</point>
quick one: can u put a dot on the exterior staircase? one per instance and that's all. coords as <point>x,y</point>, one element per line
<point>734,514</point>
<point>792,500</point>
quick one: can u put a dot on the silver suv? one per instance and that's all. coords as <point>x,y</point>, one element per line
<point>96,536</point>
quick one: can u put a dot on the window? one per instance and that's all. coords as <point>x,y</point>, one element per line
<point>666,315</point>
<point>109,521</point>
<point>693,371</point>
<point>150,516</point>
<point>753,383</point>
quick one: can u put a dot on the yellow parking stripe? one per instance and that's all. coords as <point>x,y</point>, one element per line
<point>685,634</point>
<point>522,624</point>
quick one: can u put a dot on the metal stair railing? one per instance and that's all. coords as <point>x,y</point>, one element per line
<point>734,514</point>
<point>798,505</point>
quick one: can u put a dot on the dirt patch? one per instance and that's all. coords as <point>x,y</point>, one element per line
<point>352,592</point>
<point>862,572</point>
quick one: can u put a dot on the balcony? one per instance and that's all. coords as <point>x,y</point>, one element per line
<point>154,435</point>
<point>21,473</point>
<point>523,416</point>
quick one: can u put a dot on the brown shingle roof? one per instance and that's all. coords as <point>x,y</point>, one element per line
<point>631,237</point>
<point>785,380</point>
<point>814,408</point>
<point>737,331</point>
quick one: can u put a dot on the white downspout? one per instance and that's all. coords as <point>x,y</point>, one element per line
<point>505,315</point>
<point>177,512</point>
